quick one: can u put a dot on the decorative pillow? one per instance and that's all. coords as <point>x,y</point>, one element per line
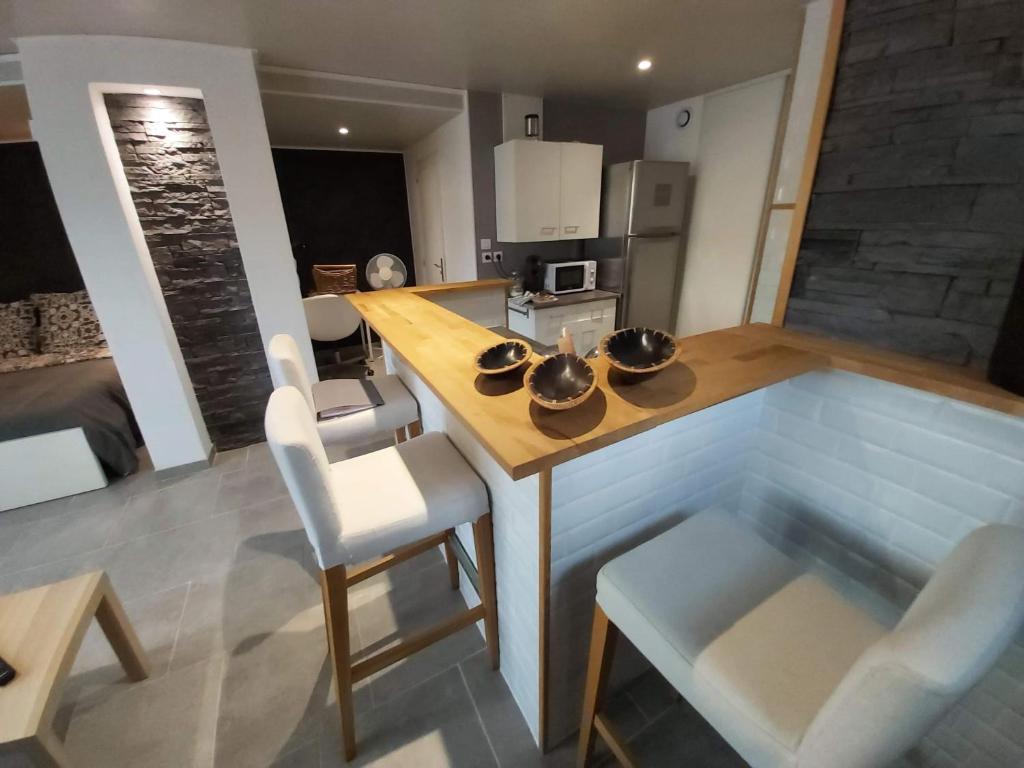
<point>17,329</point>
<point>67,321</point>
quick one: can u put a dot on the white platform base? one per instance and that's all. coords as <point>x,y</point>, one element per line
<point>47,466</point>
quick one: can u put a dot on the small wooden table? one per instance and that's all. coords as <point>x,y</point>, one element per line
<point>41,631</point>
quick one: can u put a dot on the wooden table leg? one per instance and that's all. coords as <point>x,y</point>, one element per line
<point>114,623</point>
<point>46,751</point>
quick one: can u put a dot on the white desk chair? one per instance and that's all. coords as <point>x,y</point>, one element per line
<point>378,510</point>
<point>786,670</point>
<point>399,413</point>
<point>331,317</point>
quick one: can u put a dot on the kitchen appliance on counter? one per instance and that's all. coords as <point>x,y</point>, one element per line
<point>570,276</point>
<point>639,252</point>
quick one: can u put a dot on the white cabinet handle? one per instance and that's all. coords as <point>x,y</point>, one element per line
<point>571,230</point>
<point>548,230</point>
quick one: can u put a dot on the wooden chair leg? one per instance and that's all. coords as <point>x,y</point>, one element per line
<point>484,539</point>
<point>415,428</point>
<point>334,585</point>
<point>449,555</point>
<point>115,625</point>
<point>400,435</point>
<point>602,649</point>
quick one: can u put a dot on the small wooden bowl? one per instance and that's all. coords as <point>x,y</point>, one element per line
<point>502,358</point>
<point>561,381</point>
<point>638,352</point>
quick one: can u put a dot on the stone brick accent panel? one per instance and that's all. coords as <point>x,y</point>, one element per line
<point>167,151</point>
<point>916,225</point>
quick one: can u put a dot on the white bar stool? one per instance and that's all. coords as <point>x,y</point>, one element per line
<point>378,510</point>
<point>399,413</point>
<point>786,670</point>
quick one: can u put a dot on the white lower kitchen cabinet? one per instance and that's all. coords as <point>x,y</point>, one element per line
<point>587,321</point>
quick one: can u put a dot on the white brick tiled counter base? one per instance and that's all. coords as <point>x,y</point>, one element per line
<point>878,482</point>
<point>867,482</point>
<point>516,542</point>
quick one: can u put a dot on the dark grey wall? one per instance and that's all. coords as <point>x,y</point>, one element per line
<point>620,131</point>
<point>916,224</point>
<point>171,164</point>
<point>35,256</point>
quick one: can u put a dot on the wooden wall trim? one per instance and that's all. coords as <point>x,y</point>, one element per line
<point>769,198</point>
<point>544,583</point>
<point>803,194</point>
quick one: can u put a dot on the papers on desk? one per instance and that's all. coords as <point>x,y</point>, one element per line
<point>340,397</point>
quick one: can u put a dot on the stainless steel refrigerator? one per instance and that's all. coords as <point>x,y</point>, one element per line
<point>640,250</point>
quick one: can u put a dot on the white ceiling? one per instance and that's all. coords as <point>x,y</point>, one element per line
<point>580,49</point>
<point>293,120</point>
<point>299,121</point>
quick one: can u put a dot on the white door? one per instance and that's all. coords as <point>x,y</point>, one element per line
<point>430,254</point>
<point>737,142</point>
<point>580,190</point>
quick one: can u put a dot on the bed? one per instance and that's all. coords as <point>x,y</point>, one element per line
<point>63,429</point>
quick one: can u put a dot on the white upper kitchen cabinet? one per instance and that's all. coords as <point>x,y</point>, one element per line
<point>546,190</point>
<point>580,199</point>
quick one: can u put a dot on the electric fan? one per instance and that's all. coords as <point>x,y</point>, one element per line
<point>385,270</point>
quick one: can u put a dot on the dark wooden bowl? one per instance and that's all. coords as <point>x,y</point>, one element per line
<point>502,358</point>
<point>639,351</point>
<point>561,381</point>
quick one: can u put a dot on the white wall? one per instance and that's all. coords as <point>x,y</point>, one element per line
<point>451,144</point>
<point>665,140</point>
<point>732,154</point>
<point>65,77</point>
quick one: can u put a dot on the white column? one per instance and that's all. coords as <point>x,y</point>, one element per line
<point>65,77</point>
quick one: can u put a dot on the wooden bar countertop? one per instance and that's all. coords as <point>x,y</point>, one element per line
<point>440,346</point>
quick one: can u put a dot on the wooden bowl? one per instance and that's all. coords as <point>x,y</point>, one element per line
<point>639,351</point>
<point>502,358</point>
<point>561,381</point>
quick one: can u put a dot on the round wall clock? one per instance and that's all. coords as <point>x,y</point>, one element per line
<point>683,118</point>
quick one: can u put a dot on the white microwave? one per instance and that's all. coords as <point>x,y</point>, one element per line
<point>570,276</point>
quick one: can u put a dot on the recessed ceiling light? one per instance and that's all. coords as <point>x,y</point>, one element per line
<point>644,64</point>
<point>343,131</point>
<point>151,91</point>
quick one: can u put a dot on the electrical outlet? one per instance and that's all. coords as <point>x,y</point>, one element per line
<point>498,255</point>
<point>486,257</point>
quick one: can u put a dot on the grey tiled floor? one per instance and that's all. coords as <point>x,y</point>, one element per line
<point>219,581</point>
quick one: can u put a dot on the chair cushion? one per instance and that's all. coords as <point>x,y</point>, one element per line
<point>396,496</point>
<point>735,627</point>
<point>399,408</point>
<point>779,664</point>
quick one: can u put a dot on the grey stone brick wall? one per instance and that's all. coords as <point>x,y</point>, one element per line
<point>915,230</point>
<point>168,155</point>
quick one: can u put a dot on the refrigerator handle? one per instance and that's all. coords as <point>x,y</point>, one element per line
<point>658,234</point>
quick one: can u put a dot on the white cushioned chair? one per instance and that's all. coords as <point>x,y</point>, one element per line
<point>365,514</point>
<point>399,413</point>
<point>782,666</point>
